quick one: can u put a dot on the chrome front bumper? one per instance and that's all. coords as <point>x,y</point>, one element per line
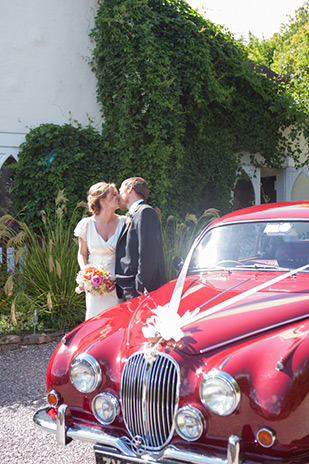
<point>117,447</point>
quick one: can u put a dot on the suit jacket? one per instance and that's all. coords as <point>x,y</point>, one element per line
<point>139,254</point>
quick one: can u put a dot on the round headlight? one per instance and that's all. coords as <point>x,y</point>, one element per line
<point>105,408</point>
<point>85,373</point>
<point>220,393</point>
<point>189,423</point>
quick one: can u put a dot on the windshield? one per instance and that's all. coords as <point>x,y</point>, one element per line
<point>269,245</point>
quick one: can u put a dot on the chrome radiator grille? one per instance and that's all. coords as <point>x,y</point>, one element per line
<point>149,398</point>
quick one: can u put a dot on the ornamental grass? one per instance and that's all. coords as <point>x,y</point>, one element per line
<point>178,236</point>
<point>42,284</point>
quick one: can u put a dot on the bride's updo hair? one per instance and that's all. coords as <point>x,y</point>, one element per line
<point>95,193</point>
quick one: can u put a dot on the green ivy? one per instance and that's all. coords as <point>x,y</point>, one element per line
<point>57,158</point>
<point>179,100</point>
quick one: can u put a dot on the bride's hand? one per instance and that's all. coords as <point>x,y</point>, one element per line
<point>80,289</point>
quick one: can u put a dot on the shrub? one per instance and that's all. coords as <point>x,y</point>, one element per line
<point>54,158</point>
<point>43,283</point>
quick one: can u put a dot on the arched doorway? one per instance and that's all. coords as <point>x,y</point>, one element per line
<point>300,190</point>
<point>243,192</point>
<point>6,198</point>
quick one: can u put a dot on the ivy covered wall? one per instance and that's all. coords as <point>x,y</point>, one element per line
<point>179,101</point>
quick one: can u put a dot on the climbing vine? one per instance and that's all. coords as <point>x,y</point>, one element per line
<point>53,158</point>
<point>179,100</point>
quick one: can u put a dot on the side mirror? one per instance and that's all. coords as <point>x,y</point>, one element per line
<point>177,263</point>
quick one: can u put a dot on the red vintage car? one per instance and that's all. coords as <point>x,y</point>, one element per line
<point>212,368</point>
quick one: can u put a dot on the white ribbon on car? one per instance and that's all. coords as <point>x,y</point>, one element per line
<point>166,322</point>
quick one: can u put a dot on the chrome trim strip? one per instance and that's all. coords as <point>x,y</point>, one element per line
<point>256,332</point>
<point>95,436</point>
<point>92,346</point>
<point>190,457</point>
<point>222,293</point>
<point>224,363</point>
<point>250,221</point>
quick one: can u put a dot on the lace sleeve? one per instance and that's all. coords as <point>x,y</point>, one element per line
<point>81,229</point>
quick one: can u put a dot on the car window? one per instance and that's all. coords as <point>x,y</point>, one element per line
<point>283,244</point>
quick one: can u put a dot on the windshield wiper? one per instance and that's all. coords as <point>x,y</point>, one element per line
<point>268,266</point>
<point>262,266</point>
<point>237,266</point>
<point>194,270</point>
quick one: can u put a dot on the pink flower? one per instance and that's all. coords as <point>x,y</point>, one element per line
<point>96,281</point>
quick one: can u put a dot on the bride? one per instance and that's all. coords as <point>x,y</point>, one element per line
<point>98,236</point>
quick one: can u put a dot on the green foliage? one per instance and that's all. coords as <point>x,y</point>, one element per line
<point>286,53</point>
<point>58,157</point>
<point>261,51</point>
<point>5,300</point>
<point>178,236</point>
<point>18,318</point>
<point>45,271</point>
<point>179,100</point>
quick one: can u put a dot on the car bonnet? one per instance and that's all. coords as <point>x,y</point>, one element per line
<point>222,308</point>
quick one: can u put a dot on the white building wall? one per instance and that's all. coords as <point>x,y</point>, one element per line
<point>45,74</point>
<point>9,145</point>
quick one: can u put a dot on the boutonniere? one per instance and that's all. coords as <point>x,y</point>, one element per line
<point>129,218</point>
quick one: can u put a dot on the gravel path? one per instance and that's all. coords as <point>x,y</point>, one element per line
<point>22,392</point>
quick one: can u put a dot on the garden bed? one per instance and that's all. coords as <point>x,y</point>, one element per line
<point>14,341</point>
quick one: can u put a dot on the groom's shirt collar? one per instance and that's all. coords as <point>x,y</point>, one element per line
<point>134,206</point>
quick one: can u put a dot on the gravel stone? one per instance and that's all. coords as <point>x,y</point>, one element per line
<point>22,393</point>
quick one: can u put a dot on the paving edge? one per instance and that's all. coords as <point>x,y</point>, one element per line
<point>13,341</point>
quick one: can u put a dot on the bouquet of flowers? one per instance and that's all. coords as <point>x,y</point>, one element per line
<point>95,280</point>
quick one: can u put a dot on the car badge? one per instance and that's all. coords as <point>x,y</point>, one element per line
<point>138,445</point>
<point>150,355</point>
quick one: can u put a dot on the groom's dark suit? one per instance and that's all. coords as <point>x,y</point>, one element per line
<point>139,254</point>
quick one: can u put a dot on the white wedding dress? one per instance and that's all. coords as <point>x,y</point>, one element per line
<point>100,252</point>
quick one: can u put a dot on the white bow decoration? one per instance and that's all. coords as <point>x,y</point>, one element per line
<point>167,324</point>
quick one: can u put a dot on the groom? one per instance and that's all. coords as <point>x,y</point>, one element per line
<point>139,253</point>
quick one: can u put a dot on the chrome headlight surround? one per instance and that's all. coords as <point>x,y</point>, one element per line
<point>220,393</point>
<point>105,408</point>
<point>266,437</point>
<point>85,373</point>
<point>189,423</point>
